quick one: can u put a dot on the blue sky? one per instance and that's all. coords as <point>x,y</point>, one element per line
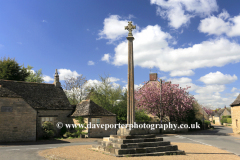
<point>194,43</point>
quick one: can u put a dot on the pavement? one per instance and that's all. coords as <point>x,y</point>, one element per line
<point>217,137</point>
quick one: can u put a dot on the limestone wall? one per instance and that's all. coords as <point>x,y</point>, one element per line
<point>235,111</point>
<point>101,132</point>
<point>17,120</point>
<point>58,116</point>
<point>217,120</point>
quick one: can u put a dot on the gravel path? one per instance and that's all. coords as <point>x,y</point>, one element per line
<point>193,152</point>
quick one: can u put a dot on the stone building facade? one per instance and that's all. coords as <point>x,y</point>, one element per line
<point>96,116</point>
<point>235,112</point>
<point>25,106</point>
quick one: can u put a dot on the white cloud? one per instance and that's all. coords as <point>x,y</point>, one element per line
<point>184,82</point>
<point>151,49</point>
<point>32,71</point>
<point>136,87</point>
<point>113,28</point>
<point>150,40</point>
<point>19,43</point>
<point>179,12</point>
<point>113,79</point>
<point>209,89</point>
<point>221,24</point>
<point>1,45</point>
<point>207,95</point>
<point>65,73</point>
<point>233,89</point>
<point>93,83</point>
<point>44,21</point>
<point>218,78</point>
<point>182,73</point>
<point>236,94</point>
<point>90,63</point>
<point>47,78</point>
<point>106,57</point>
<point>163,78</point>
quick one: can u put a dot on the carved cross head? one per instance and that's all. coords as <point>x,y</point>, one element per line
<point>130,27</point>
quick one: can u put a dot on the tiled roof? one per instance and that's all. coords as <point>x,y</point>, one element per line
<point>236,102</point>
<point>89,108</point>
<point>37,95</point>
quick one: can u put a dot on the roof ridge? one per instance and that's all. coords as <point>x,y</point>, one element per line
<point>23,82</point>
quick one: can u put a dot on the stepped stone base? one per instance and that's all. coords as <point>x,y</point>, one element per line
<point>126,144</point>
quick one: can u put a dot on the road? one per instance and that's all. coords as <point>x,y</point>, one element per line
<point>216,138</point>
<point>28,151</point>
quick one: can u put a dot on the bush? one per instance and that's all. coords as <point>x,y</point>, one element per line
<point>63,130</point>
<point>141,116</point>
<point>68,134</point>
<point>213,121</point>
<point>207,122</point>
<point>48,130</point>
<point>229,120</point>
<point>226,116</point>
<point>226,120</point>
<point>80,129</point>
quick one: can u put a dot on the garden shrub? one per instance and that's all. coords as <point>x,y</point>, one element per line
<point>63,130</point>
<point>68,134</point>
<point>229,120</point>
<point>48,130</point>
<point>226,116</point>
<point>213,121</point>
<point>80,129</point>
<point>207,122</point>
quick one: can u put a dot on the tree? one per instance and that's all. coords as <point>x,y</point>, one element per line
<point>34,77</point>
<point>105,94</point>
<point>175,101</point>
<point>208,110</point>
<point>10,70</point>
<point>74,88</point>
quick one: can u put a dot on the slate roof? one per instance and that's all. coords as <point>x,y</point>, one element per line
<point>89,108</point>
<point>37,95</point>
<point>236,102</point>
<point>218,113</point>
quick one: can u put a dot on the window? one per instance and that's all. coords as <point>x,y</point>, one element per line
<point>49,119</point>
<point>95,120</point>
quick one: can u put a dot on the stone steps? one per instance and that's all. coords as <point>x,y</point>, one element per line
<point>134,145</point>
<point>131,151</point>
<point>139,140</point>
<point>179,152</point>
<point>137,145</point>
<point>133,136</point>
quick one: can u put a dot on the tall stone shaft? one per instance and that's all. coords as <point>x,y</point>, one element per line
<point>130,93</point>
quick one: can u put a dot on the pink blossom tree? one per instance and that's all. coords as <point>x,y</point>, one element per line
<point>208,110</point>
<point>175,102</point>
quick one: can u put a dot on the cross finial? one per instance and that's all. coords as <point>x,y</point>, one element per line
<point>130,27</point>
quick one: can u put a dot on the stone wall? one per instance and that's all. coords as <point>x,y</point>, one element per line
<point>235,110</point>
<point>58,116</point>
<point>17,120</point>
<point>101,132</point>
<point>217,120</point>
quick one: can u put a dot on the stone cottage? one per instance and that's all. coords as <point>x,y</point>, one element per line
<point>217,116</point>
<point>97,115</point>
<point>235,112</point>
<point>24,106</point>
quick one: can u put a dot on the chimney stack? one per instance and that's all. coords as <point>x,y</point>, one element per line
<point>153,76</point>
<point>56,79</point>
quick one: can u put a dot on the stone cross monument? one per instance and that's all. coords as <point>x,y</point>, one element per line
<point>130,93</point>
